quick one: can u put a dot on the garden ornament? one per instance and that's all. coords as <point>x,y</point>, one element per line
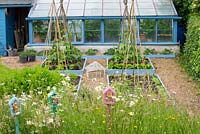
<point>53,99</point>
<point>108,99</point>
<point>15,110</point>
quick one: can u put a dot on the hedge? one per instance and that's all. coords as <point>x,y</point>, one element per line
<point>191,51</point>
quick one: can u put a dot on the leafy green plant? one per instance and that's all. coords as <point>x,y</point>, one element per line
<point>31,52</point>
<point>133,60</point>
<point>23,54</point>
<point>91,51</point>
<point>110,51</point>
<point>191,52</point>
<point>150,51</point>
<point>28,79</point>
<point>167,51</point>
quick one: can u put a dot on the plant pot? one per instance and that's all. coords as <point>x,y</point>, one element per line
<point>31,58</point>
<point>23,59</point>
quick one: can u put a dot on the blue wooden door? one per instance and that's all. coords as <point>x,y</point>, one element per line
<point>10,27</point>
<point>2,32</point>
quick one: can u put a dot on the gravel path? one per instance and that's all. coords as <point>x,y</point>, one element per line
<point>13,62</point>
<point>179,84</point>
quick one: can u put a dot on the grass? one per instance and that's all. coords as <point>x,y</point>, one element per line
<point>133,113</point>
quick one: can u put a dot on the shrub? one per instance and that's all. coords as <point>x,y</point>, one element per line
<point>191,55</point>
<point>91,51</point>
<point>28,79</point>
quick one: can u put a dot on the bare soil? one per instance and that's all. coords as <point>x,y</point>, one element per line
<point>13,62</point>
<point>94,82</point>
<point>179,84</point>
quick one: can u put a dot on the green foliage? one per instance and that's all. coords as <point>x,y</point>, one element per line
<point>150,51</point>
<point>133,113</point>
<point>126,56</point>
<point>167,51</point>
<point>91,51</point>
<point>185,8</point>
<point>68,58</point>
<point>31,52</point>
<point>28,79</point>
<point>23,54</point>
<point>110,51</point>
<point>191,54</point>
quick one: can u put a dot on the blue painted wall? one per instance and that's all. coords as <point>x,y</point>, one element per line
<point>2,32</point>
<point>10,27</point>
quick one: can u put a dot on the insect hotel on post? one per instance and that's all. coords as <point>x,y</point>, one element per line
<point>95,69</point>
<point>15,106</point>
<point>108,96</point>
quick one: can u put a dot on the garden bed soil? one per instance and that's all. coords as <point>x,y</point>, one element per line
<point>179,85</point>
<point>13,62</point>
<point>147,83</point>
<point>94,82</point>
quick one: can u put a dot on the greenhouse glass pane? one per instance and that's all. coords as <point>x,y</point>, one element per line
<point>79,6</point>
<point>145,5</point>
<point>93,30</point>
<point>93,5</point>
<point>148,30</point>
<point>112,30</point>
<point>165,11</point>
<point>42,7</point>
<point>40,29</point>
<point>75,28</point>
<point>93,12</point>
<point>56,1</point>
<point>113,1</point>
<point>110,5</point>
<point>75,12</point>
<point>42,13</point>
<point>113,12</point>
<point>147,11</point>
<point>165,30</point>
<point>93,1</point>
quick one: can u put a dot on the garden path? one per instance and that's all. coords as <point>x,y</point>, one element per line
<point>94,82</point>
<point>13,62</point>
<point>179,84</point>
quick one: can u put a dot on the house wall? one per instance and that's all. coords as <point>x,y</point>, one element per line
<point>3,42</point>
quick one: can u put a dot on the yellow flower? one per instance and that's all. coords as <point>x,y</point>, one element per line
<point>103,122</point>
<point>131,113</point>
<point>97,108</point>
<point>135,127</point>
<point>173,118</point>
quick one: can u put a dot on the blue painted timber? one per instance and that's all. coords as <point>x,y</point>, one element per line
<point>131,71</point>
<point>3,43</point>
<point>78,72</point>
<point>106,17</point>
<point>97,57</point>
<point>161,56</point>
<point>10,27</point>
<point>163,85</point>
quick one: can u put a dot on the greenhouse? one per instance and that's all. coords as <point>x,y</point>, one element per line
<point>99,22</point>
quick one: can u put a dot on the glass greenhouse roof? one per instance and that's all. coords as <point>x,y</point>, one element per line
<point>76,8</point>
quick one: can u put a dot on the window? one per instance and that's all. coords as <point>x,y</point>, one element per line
<point>40,29</point>
<point>148,30</point>
<point>165,30</point>
<point>75,28</point>
<point>112,30</point>
<point>93,30</point>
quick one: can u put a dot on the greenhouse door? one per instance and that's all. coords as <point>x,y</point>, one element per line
<point>93,31</point>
